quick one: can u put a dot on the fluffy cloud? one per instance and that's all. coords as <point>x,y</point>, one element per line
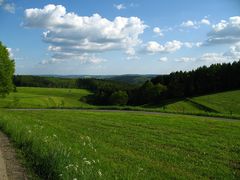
<point>119,6</point>
<point>74,34</point>
<point>212,57</point>
<point>158,31</point>
<point>9,7</point>
<point>83,58</point>
<point>170,46</point>
<point>205,21</point>
<point>207,58</point>
<point>195,24</point>
<point>233,54</point>
<point>188,24</point>
<point>185,59</point>
<point>225,32</point>
<point>163,59</point>
<point>191,44</point>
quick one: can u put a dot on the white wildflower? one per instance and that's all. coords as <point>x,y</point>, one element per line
<point>88,162</point>
<point>99,173</point>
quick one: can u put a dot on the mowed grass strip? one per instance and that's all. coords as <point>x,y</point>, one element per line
<point>68,144</point>
<point>34,97</point>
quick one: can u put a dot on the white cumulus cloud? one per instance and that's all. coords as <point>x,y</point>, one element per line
<point>158,31</point>
<point>185,59</point>
<point>83,58</point>
<point>234,51</point>
<point>205,21</point>
<point>195,24</point>
<point>70,33</point>
<point>213,57</point>
<point>192,44</point>
<point>188,23</point>
<point>225,32</point>
<point>163,59</point>
<point>170,46</point>
<point>232,54</point>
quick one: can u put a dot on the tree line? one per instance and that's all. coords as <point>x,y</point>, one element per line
<point>180,84</point>
<point>39,81</point>
<point>204,80</point>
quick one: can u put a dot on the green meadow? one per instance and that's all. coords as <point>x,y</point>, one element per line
<point>33,97</point>
<point>225,103</point>
<point>222,103</point>
<point>68,144</point>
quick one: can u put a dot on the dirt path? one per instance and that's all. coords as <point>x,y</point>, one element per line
<point>10,167</point>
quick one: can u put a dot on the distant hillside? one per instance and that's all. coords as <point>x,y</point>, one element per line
<point>132,79</point>
<point>69,81</point>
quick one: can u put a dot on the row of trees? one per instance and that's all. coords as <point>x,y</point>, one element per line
<point>38,81</point>
<point>106,92</point>
<point>114,93</point>
<point>204,80</point>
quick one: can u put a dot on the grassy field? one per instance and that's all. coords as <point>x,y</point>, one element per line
<point>224,103</point>
<point>31,97</point>
<point>68,144</point>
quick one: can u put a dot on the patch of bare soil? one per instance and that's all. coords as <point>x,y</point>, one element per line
<point>10,167</point>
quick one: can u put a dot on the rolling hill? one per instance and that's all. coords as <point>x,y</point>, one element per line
<point>225,103</point>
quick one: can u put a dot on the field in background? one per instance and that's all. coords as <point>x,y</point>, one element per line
<point>124,145</point>
<point>225,104</point>
<point>31,97</point>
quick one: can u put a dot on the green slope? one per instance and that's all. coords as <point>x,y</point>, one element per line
<point>224,103</point>
<point>31,97</point>
<point>69,144</point>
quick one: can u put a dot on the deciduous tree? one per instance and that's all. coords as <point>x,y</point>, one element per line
<point>6,71</point>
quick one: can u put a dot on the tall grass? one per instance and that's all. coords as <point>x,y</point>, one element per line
<point>72,144</point>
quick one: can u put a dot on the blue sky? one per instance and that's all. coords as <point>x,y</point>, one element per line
<point>119,37</point>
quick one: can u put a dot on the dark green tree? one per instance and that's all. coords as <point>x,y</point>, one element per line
<point>119,98</point>
<point>7,67</point>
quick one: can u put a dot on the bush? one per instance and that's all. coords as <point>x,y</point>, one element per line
<point>119,98</point>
